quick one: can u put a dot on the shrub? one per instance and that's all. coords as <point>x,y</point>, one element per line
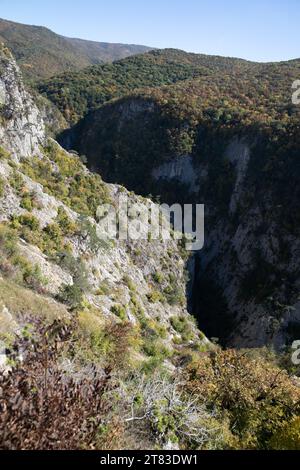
<point>53,410</point>
<point>8,240</point>
<point>28,201</point>
<point>259,398</point>
<point>51,240</point>
<point>182,326</point>
<point>129,283</point>
<point>3,154</point>
<point>158,277</point>
<point>161,330</point>
<point>120,311</point>
<point>16,181</point>
<point>164,411</point>
<point>287,438</point>
<point>26,220</point>
<point>72,295</point>
<point>156,349</point>
<point>53,231</point>
<point>26,273</point>
<point>31,274</point>
<point>34,278</point>
<point>2,186</point>
<point>67,226</point>
<point>155,297</point>
<point>108,343</point>
<point>83,193</point>
<point>174,295</point>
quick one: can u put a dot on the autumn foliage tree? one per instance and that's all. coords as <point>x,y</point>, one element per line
<point>42,406</point>
<point>259,399</point>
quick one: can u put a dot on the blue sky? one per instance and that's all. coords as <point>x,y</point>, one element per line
<point>262,30</point>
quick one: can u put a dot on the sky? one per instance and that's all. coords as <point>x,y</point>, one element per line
<point>260,30</point>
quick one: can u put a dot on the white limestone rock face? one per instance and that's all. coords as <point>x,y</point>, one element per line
<point>22,128</point>
<point>238,153</point>
<point>230,255</point>
<point>179,169</point>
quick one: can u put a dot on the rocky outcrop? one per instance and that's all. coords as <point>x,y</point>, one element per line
<point>238,153</point>
<point>179,169</point>
<point>22,129</point>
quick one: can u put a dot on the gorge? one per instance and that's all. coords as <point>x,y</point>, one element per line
<point>169,143</point>
<point>122,343</point>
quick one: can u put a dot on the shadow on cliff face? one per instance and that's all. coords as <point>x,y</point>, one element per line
<point>207,304</point>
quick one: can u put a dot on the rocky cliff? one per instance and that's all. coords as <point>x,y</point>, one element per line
<point>22,128</point>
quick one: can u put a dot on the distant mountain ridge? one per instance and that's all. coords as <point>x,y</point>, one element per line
<point>41,53</point>
<point>77,93</point>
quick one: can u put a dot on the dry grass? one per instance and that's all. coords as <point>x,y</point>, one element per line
<point>20,301</point>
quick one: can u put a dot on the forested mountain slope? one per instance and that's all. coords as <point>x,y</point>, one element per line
<point>43,53</point>
<point>77,93</point>
<point>208,78</point>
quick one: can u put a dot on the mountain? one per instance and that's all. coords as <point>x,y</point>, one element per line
<point>228,138</point>
<point>42,53</point>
